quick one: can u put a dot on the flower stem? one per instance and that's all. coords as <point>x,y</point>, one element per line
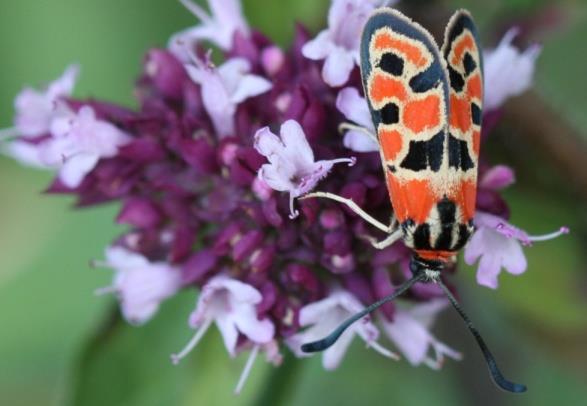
<point>281,382</point>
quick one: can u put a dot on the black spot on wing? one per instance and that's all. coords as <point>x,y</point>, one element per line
<point>469,64</point>
<point>458,154</point>
<point>392,64</point>
<point>389,113</point>
<point>424,154</point>
<point>475,114</point>
<point>465,232</point>
<point>422,237</point>
<point>447,217</point>
<point>456,80</point>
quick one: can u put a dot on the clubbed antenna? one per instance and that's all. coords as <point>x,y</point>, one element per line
<point>326,342</point>
<point>496,374</point>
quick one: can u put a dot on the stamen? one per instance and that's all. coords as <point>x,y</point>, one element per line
<point>175,358</point>
<point>550,236</point>
<point>351,161</point>
<point>293,213</point>
<point>105,290</point>
<point>383,351</point>
<point>247,370</point>
<point>196,10</point>
<point>97,263</point>
<point>353,127</point>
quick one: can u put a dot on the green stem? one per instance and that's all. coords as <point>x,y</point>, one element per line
<point>281,383</point>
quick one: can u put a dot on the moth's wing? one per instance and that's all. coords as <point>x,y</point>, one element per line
<point>464,63</point>
<point>406,88</point>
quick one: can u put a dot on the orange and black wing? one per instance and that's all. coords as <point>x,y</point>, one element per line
<point>464,63</point>
<point>407,91</point>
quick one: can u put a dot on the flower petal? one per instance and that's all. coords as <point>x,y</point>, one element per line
<point>354,107</point>
<point>249,86</point>
<point>76,168</point>
<point>338,66</point>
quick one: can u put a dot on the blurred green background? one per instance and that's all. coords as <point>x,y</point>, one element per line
<point>59,344</point>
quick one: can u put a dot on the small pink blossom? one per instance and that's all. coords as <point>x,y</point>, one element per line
<point>497,178</point>
<point>354,107</point>
<point>324,316</point>
<point>79,141</point>
<point>291,166</point>
<point>339,44</point>
<point>231,305</point>
<point>410,331</point>
<point>224,88</point>
<point>498,244</point>
<point>140,285</point>
<point>508,72</point>
<point>36,109</point>
<point>225,19</point>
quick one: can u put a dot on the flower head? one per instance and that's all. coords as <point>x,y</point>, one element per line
<point>219,27</point>
<point>499,245</point>
<point>291,166</point>
<point>324,316</point>
<point>79,141</point>
<point>508,72</point>
<point>338,45</point>
<point>224,88</point>
<point>410,331</point>
<point>140,285</point>
<point>35,110</point>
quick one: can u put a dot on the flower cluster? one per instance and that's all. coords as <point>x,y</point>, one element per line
<point>200,173</point>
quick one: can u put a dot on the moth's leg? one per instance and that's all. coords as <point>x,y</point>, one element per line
<point>354,207</point>
<point>387,241</point>
<point>349,126</point>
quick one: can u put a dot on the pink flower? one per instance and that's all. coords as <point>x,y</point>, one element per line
<point>139,284</point>
<point>291,166</point>
<point>355,108</point>
<point>225,19</point>
<point>224,88</point>
<point>410,331</point>
<point>497,178</point>
<point>498,244</point>
<point>508,72</point>
<point>323,317</point>
<point>231,305</point>
<point>79,141</point>
<point>338,45</point>
<point>36,109</point>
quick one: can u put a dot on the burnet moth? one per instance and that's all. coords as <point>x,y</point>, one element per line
<point>426,107</point>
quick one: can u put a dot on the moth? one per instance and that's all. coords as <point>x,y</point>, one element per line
<point>426,104</point>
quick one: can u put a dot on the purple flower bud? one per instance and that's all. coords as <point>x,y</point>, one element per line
<point>226,238</point>
<point>246,244</point>
<point>262,258</point>
<point>200,154</point>
<point>382,287</point>
<point>139,212</point>
<point>331,219</point>
<point>143,150</point>
<point>199,265</point>
<point>166,72</point>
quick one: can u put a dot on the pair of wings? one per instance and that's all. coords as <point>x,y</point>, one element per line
<point>426,106</point>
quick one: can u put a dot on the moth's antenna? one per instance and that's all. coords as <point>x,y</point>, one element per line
<point>326,342</point>
<point>496,374</point>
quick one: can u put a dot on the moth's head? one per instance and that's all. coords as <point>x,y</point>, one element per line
<point>430,267</point>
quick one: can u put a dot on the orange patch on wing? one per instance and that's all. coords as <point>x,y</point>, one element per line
<point>421,114</point>
<point>391,143</point>
<point>460,113</point>
<point>413,53</point>
<point>383,87</point>
<point>466,42</point>
<point>466,199</point>
<point>412,199</point>
<point>436,255</point>
<point>475,87</point>
<point>476,142</point>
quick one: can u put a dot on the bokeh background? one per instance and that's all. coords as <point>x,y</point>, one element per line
<point>61,345</point>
